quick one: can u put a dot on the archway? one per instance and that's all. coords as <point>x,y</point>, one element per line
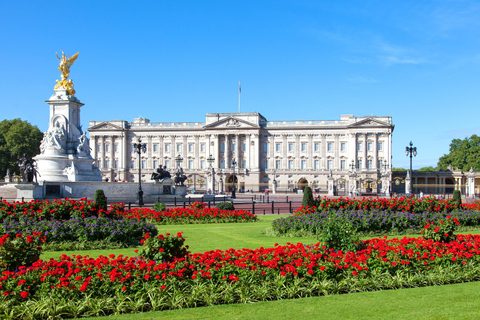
<point>229,183</point>
<point>302,183</point>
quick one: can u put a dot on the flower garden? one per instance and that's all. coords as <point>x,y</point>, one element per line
<point>165,275</point>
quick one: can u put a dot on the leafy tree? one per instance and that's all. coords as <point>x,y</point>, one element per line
<point>16,138</point>
<point>464,154</point>
<point>398,169</point>
<point>100,199</point>
<point>428,169</point>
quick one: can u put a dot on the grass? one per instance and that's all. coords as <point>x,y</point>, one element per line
<point>457,301</point>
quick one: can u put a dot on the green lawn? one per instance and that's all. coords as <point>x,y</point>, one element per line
<point>458,301</point>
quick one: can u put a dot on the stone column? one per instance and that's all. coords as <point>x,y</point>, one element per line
<point>102,155</point>
<point>196,153</point>
<point>336,152</point>
<point>161,147</point>
<point>310,147</point>
<point>375,151</point>
<point>297,152</point>
<point>323,151</point>
<point>365,152</point>
<point>271,151</point>
<point>149,152</point>
<point>227,151</point>
<point>285,151</point>
<point>237,150</point>
<point>256,151</point>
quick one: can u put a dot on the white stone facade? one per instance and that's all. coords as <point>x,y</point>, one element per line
<point>293,153</point>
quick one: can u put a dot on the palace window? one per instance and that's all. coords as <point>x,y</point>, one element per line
<point>304,147</point>
<point>107,164</point>
<point>244,164</point>
<point>222,164</point>
<point>342,146</point>
<point>290,164</point>
<point>244,147</point>
<point>202,147</point>
<point>116,147</point>
<point>202,164</point>
<point>342,164</point>
<point>329,146</point>
<point>107,147</point>
<point>167,147</point>
<point>265,164</point>
<point>222,147</point>
<point>380,146</point>
<point>277,164</point>
<point>359,164</point>
<point>179,147</point>
<point>316,164</point>
<point>190,164</point>
<point>304,164</point>
<point>369,146</point>
<point>116,164</point>
<point>329,164</point>
<point>359,146</point>
<point>316,146</point>
<point>233,147</point>
<point>290,147</point>
<point>190,147</point>
<point>144,164</point>
<point>155,148</point>
<point>155,164</point>
<point>99,147</point>
<point>265,147</point>
<point>278,147</point>
<point>132,164</point>
<point>369,164</point>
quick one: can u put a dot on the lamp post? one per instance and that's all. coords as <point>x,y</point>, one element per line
<point>411,151</point>
<point>139,148</point>
<point>234,164</point>
<point>220,173</point>
<point>274,182</point>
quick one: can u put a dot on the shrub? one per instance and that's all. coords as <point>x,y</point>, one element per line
<point>159,206</point>
<point>308,197</point>
<point>225,205</point>
<point>339,234</point>
<point>117,207</point>
<point>100,199</point>
<point>21,250</point>
<point>457,196</point>
<point>164,248</point>
<point>442,231</point>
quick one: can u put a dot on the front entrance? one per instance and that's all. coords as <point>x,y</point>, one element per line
<point>229,184</point>
<point>302,183</point>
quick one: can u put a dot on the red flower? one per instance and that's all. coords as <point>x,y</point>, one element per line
<point>24,294</point>
<point>163,287</point>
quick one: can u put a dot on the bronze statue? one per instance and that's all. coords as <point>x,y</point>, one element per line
<point>161,173</point>
<point>64,67</point>
<point>27,169</point>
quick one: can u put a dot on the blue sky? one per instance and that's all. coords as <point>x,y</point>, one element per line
<point>173,61</point>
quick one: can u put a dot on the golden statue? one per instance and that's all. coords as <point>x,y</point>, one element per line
<point>64,67</point>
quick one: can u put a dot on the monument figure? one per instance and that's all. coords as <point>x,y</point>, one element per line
<point>27,169</point>
<point>160,173</point>
<point>64,67</point>
<point>180,177</point>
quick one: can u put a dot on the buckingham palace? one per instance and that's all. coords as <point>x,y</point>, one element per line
<point>353,153</point>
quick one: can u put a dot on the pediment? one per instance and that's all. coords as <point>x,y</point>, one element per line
<point>369,122</point>
<point>105,126</point>
<point>231,123</point>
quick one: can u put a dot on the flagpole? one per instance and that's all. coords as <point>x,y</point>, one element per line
<point>239,92</point>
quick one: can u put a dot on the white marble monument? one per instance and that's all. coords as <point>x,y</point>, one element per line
<point>65,151</point>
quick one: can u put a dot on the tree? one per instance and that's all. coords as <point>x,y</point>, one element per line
<point>464,154</point>
<point>398,169</point>
<point>427,169</point>
<point>16,138</point>
<point>307,197</point>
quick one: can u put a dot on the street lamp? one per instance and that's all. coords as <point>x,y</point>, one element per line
<point>220,173</point>
<point>210,160</point>
<point>139,148</point>
<point>234,164</point>
<point>412,151</point>
<point>352,165</point>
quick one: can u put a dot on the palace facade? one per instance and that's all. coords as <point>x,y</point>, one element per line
<point>278,155</point>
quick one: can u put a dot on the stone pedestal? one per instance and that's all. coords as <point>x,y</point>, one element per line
<point>330,188</point>
<point>28,191</point>
<point>65,151</point>
<point>408,183</point>
<point>180,190</point>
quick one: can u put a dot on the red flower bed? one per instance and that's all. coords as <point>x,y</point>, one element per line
<point>186,216</point>
<point>77,275</point>
<point>403,204</point>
